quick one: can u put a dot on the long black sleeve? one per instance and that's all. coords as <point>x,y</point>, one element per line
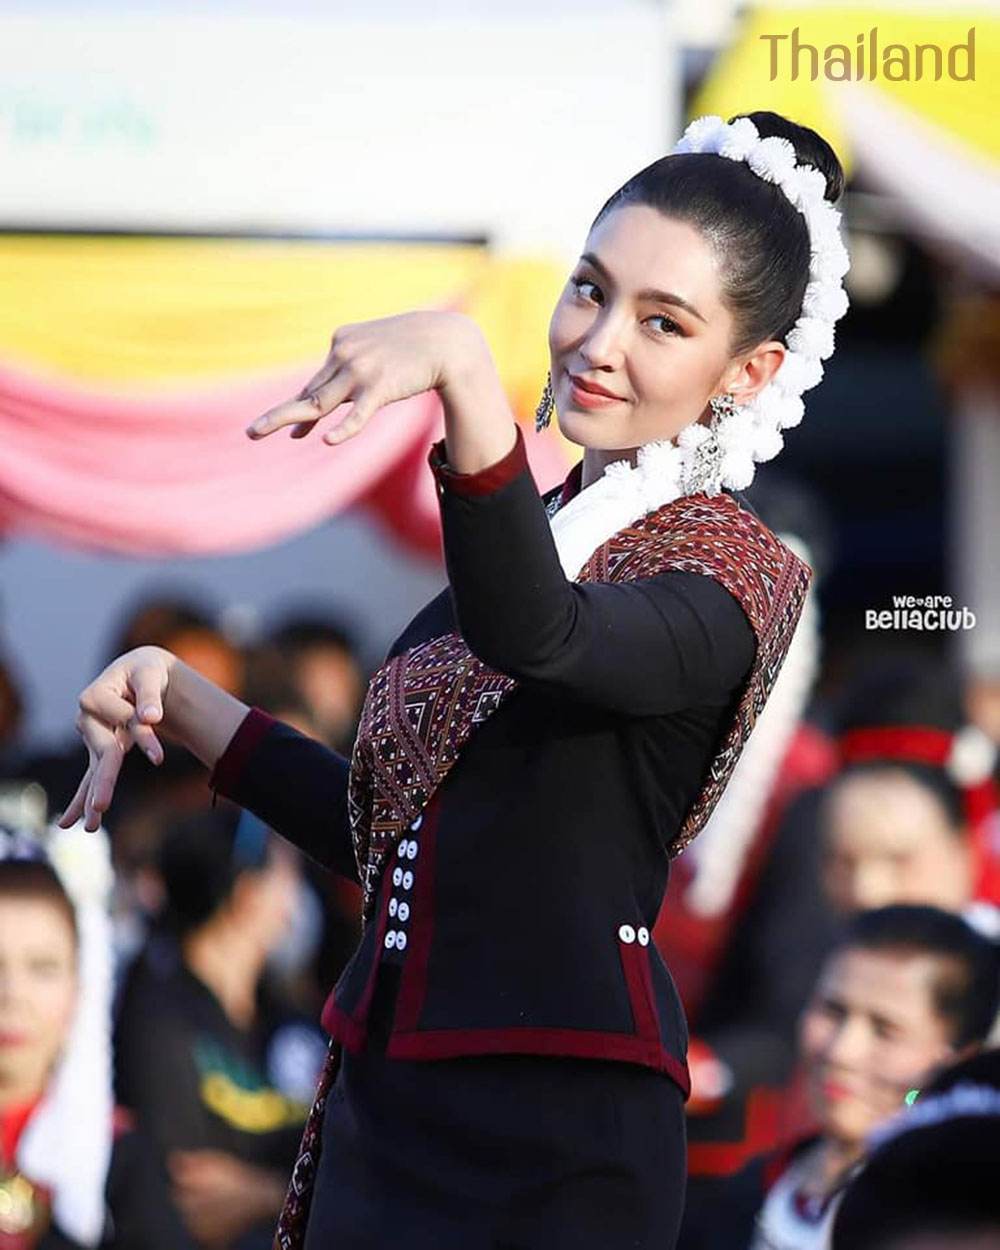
<point>293,783</point>
<point>650,646</point>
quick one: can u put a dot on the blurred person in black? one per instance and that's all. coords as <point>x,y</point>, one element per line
<point>325,668</point>
<point>930,1182</point>
<point>909,990</point>
<point>218,1071</point>
<point>74,1172</point>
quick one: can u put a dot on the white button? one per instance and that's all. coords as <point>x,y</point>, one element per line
<point>411,850</point>
<point>627,933</point>
<point>402,849</point>
<point>417,823</point>
<point>390,939</point>
<point>643,936</point>
<point>392,907</point>
<point>404,910</point>
<point>407,879</point>
<point>400,940</point>
<point>397,875</point>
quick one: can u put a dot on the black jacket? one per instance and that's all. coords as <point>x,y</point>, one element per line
<point>527,890</point>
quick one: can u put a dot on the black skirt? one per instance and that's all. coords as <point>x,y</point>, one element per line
<point>496,1152</point>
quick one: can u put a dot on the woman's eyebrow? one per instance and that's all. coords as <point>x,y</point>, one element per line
<point>649,293</point>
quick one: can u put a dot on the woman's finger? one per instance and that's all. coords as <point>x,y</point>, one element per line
<point>364,407</point>
<point>145,738</point>
<point>146,684</point>
<point>74,809</point>
<point>101,701</point>
<point>319,403</point>
<point>102,785</point>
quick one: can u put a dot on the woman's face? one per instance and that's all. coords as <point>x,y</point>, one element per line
<point>870,1034</point>
<point>662,355</point>
<point>38,985</point>
<point>887,839</point>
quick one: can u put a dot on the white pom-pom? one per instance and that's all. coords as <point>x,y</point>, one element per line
<point>788,411</point>
<point>702,129</point>
<point>972,756</point>
<point>738,470</point>
<point>830,263</point>
<point>797,373</point>
<point>812,337</point>
<point>812,185</point>
<point>772,158</point>
<point>739,140</point>
<point>737,430</point>
<point>767,443</point>
<point>692,436</point>
<point>825,300</point>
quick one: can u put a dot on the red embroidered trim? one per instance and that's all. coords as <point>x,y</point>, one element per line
<point>485,481</point>
<point>579,1043</point>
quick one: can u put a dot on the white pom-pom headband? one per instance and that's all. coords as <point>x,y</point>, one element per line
<point>703,459</point>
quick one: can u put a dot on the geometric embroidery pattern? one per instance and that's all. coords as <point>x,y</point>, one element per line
<point>423,704</point>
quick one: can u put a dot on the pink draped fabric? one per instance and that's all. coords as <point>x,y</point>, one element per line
<point>173,473</point>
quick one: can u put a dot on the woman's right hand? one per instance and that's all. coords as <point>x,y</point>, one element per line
<point>117,711</point>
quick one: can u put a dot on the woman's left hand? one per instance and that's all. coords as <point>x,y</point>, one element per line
<point>371,364</point>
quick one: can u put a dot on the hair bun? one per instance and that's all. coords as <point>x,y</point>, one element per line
<point>810,148</point>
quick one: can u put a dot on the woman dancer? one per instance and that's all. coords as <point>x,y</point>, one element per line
<point>552,728</point>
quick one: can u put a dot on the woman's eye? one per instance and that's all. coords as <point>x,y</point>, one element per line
<point>671,326</point>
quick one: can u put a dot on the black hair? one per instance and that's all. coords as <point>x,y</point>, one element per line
<point>306,629</point>
<point>36,879</point>
<point>935,1179</point>
<point>907,689</point>
<point>199,860</point>
<point>965,991</point>
<point>157,617</point>
<point>759,238</point>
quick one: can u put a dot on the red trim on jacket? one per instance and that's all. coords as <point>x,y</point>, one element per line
<point>407,1041</point>
<point>230,764</point>
<point>485,481</point>
<point>578,1043</point>
<point>351,1030</point>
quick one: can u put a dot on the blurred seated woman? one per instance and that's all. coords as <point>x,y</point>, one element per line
<point>218,1071</point>
<point>73,1173</point>
<point>930,1180</point>
<point>908,991</point>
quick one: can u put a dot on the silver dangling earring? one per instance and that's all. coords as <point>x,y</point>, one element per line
<point>543,413</point>
<point>707,468</point>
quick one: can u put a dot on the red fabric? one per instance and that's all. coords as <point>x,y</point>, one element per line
<point>485,481</point>
<point>225,775</point>
<point>13,1122</point>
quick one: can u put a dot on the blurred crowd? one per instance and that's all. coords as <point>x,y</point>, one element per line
<point>159,1035</point>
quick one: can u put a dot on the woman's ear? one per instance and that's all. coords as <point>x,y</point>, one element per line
<point>750,376</point>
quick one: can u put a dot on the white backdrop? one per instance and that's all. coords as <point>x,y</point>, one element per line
<point>515,124</point>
